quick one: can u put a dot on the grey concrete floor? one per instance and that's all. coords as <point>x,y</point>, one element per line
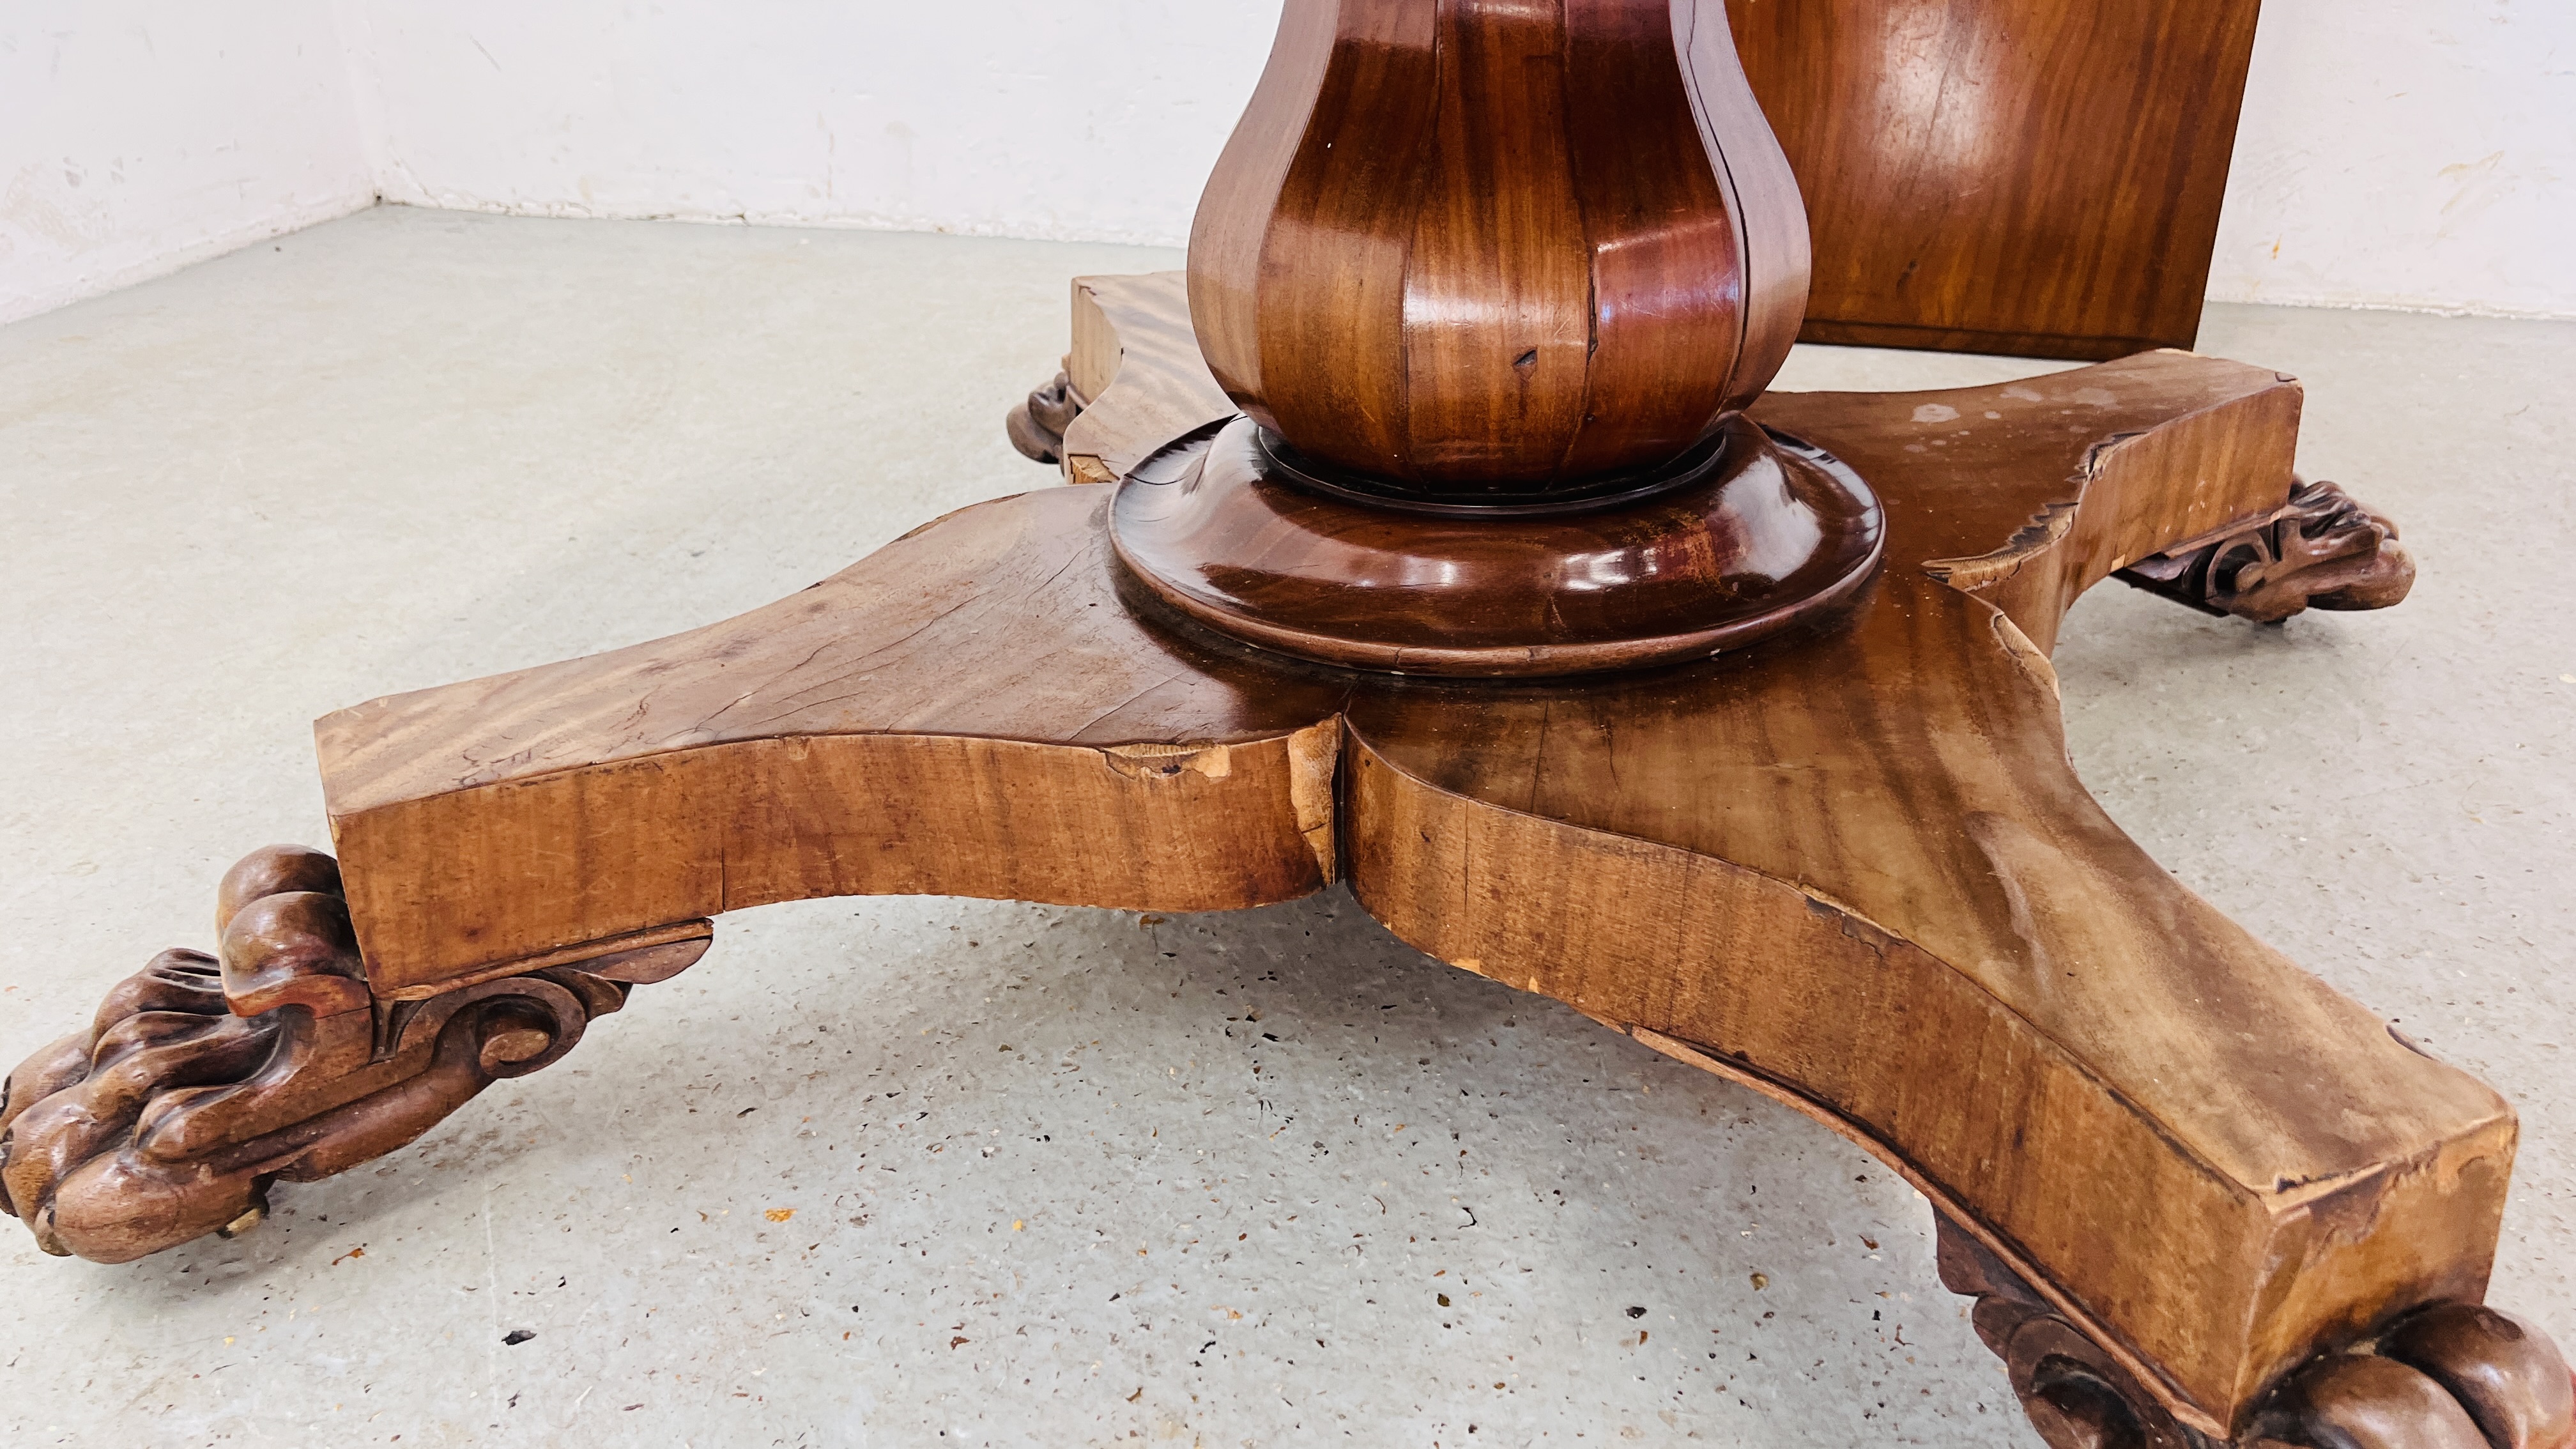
<point>410,447</point>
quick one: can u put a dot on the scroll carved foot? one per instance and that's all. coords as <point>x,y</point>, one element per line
<point>202,1081</point>
<point>2322,549</point>
<point>1037,425</point>
<point>2077,1395</point>
<point>2448,1376</point>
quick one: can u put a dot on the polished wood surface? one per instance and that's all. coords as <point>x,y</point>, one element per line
<point>187,1097</point>
<point>2481,1358</point>
<point>1856,866</point>
<point>1494,285</point>
<point>2040,177</point>
<point>1496,248</point>
<point>855,738</point>
<point>2320,550</point>
<point>1767,537</point>
<point>1164,393</point>
<point>1852,868</point>
<point>1861,866</point>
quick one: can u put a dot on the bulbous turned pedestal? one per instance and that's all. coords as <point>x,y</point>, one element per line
<point>1492,281</point>
<point>1498,249</point>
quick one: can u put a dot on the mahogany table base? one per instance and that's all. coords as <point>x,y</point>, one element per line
<point>2198,1196</point>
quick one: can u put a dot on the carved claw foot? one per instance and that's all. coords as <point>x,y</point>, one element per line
<point>2322,550</point>
<point>202,1081</point>
<point>2448,1376</point>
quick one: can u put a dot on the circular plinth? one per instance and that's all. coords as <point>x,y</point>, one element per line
<point>1777,532</point>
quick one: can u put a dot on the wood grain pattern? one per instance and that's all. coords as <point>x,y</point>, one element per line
<point>1862,867</point>
<point>1858,864</point>
<point>1852,867</point>
<point>1809,864</point>
<point>1497,248</point>
<point>1512,256</point>
<point>1769,212</point>
<point>1165,393</point>
<point>2039,177</point>
<point>1319,51</point>
<point>1661,301</point>
<point>850,739</point>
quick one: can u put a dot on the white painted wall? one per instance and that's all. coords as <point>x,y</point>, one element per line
<point>1096,120</point>
<point>2410,153</point>
<point>2406,153</point>
<point>137,136</point>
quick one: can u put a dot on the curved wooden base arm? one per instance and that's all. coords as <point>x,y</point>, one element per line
<point>2199,1196</point>
<point>973,711</point>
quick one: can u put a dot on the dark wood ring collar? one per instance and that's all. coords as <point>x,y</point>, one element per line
<point>1777,533</point>
<point>1591,495</point>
